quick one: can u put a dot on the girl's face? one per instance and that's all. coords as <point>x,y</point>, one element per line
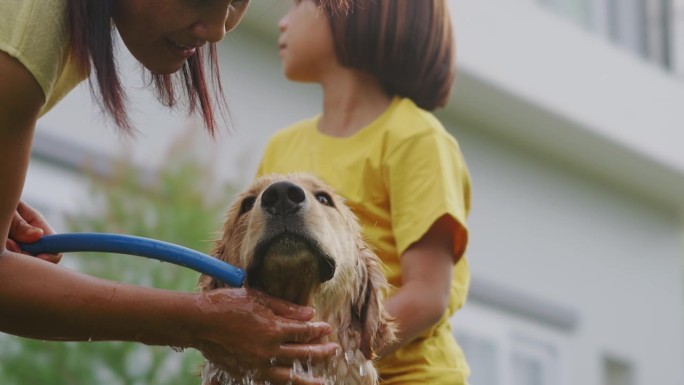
<point>163,34</point>
<point>306,43</point>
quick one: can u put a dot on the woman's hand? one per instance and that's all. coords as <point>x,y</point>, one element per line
<point>28,226</point>
<point>246,330</point>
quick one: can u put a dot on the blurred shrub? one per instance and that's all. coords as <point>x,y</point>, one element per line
<point>181,204</point>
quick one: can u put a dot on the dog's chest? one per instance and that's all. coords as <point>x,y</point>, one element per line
<point>349,366</point>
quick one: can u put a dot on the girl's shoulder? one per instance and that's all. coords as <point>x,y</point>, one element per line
<point>407,121</point>
<point>299,128</point>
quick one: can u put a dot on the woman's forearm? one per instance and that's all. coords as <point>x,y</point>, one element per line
<point>44,301</point>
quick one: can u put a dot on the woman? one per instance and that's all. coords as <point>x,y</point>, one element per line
<point>383,68</point>
<point>46,48</point>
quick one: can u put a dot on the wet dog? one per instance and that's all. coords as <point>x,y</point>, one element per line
<point>297,240</point>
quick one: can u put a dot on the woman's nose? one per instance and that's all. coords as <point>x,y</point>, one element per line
<point>214,22</point>
<point>211,27</point>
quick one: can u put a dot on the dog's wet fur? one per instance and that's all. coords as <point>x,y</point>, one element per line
<point>297,240</point>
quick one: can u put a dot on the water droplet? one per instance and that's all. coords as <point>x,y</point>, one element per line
<point>297,367</point>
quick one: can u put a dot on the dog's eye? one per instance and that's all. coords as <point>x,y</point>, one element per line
<point>247,204</point>
<point>324,198</point>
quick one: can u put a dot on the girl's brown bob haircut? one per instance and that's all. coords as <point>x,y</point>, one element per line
<point>406,44</point>
<point>91,29</point>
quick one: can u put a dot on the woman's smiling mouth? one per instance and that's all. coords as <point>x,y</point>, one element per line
<point>183,50</point>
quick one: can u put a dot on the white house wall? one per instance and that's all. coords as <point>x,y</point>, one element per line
<point>580,243</point>
<point>600,95</point>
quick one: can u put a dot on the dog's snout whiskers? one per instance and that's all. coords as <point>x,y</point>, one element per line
<point>283,198</point>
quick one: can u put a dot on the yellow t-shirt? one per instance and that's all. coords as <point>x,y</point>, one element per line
<point>399,175</point>
<point>36,32</point>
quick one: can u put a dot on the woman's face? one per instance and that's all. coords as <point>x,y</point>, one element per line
<point>163,34</point>
<point>306,43</point>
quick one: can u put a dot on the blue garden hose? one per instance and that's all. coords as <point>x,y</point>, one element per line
<point>143,247</point>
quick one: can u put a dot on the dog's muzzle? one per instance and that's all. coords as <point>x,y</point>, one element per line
<point>287,251</point>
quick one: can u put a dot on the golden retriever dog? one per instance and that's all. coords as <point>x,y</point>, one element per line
<point>297,240</point>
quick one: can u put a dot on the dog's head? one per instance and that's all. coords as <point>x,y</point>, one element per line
<point>297,240</point>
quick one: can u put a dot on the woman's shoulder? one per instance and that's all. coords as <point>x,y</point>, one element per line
<point>36,33</point>
<point>29,27</point>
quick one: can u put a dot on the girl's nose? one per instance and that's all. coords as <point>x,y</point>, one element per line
<point>282,24</point>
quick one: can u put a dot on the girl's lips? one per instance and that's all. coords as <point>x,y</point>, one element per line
<point>182,50</point>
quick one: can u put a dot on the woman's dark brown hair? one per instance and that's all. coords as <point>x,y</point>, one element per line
<point>91,41</point>
<point>407,44</point>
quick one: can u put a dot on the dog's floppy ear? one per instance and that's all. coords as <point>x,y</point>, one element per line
<point>377,326</point>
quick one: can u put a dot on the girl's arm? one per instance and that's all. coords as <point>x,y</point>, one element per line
<point>45,301</point>
<point>427,270</point>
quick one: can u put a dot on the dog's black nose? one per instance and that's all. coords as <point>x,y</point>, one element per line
<point>282,198</point>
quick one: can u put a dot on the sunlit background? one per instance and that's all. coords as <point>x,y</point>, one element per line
<point>571,117</point>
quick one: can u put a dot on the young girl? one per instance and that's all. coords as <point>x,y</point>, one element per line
<point>382,67</point>
<point>46,49</point>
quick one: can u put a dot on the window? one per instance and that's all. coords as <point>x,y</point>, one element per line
<point>579,11</point>
<point>502,349</point>
<point>643,27</point>
<point>627,24</point>
<point>482,354</point>
<point>676,54</point>
<point>533,362</point>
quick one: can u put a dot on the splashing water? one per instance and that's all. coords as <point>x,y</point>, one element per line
<point>212,372</point>
<point>346,364</point>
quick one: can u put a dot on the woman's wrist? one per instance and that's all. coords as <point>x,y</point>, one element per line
<point>153,316</point>
<point>45,301</point>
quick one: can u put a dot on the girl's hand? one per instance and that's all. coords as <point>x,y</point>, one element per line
<point>28,226</point>
<point>248,330</point>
